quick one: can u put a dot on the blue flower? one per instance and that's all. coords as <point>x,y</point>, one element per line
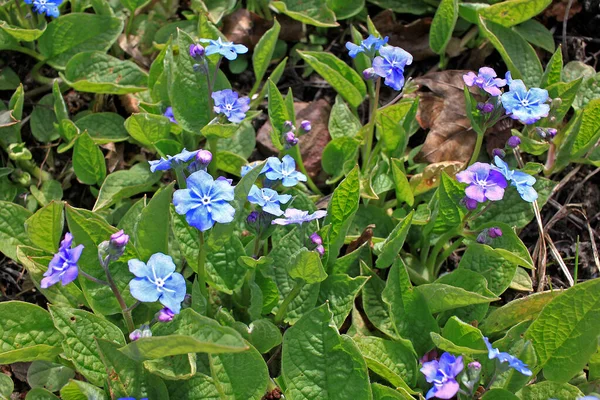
<point>486,80</point>
<point>172,161</point>
<point>295,216</point>
<point>229,50</point>
<point>513,362</point>
<point>49,7</point>
<point>284,170</point>
<point>205,201</point>
<point>249,167</point>
<point>157,280</point>
<point>370,45</point>
<point>169,114</point>
<point>390,65</point>
<point>443,376</point>
<point>520,180</point>
<point>63,266</point>
<point>268,199</point>
<point>484,182</point>
<point>528,106</point>
<point>227,103</point>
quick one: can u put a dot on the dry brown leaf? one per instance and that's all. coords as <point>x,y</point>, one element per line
<point>311,144</point>
<point>413,37</point>
<point>430,177</point>
<point>558,7</point>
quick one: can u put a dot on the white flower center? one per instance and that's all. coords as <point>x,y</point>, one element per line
<point>206,200</point>
<point>228,107</point>
<point>525,102</point>
<point>159,282</point>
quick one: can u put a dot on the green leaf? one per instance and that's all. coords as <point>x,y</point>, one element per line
<point>88,161</point>
<point>97,72</point>
<point>230,162</point>
<point>340,212</point>
<point>133,5</point>
<point>315,356</point>
<point>408,309</point>
<point>404,193</point>
<point>375,308</point>
<point>590,90</point>
<point>199,387</point>
<point>191,111</point>
<point>43,119</point>
<point>509,245</point>
<point>263,335</point>
<point>179,367</point>
<point>311,12</point>
<point>242,142</point>
<point>26,333</point>
<point>6,387</point>
<point>536,34</point>
<point>340,156</point>
<point>148,129</point>
<point>518,55</point>
<point>589,131</point>
<point>345,80</point>
<point>498,272</point>
<point>546,390</point>
<point>23,35</point>
<point>48,375</point>
<point>564,334</point>
<point>521,281</point>
<point>12,228</point>
<point>223,271</point>
<point>381,392</point>
<point>344,9</point>
<point>73,33</point>
<point>40,394</point>
<point>459,337</point>
<point>187,238</point>
<point>513,12</point>
<point>45,227</point>
<point>240,376</point>
<point>263,52</point>
<point>417,7</point>
<point>396,361</point>
<point>190,332</point>
<point>449,211</point>
<point>499,394</point>
<point>307,266</point>
<point>342,123</point>
<point>124,184</point>
<point>553,71</point>
<point>442,25</point>
<point>79,390</point>
<point>150,235</point>
<point>390,248</point>
<point>103,127</point>
<point>339,291</point>
<point>219,131</point>
<point>567,92</point>
<point>80,329</point>
<point>50,191</point>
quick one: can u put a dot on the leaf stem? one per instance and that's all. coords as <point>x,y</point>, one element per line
<point>366,152</point>
<point>202,267</point>
<point>295,153</point>
<point>91,278</point>
<point>38,77</point>
<point>113,286</point>
<point>432,257</point>
<point>288,299</point>
<point>181,182</point>
<point>477,149</point>
<point>213,146</point>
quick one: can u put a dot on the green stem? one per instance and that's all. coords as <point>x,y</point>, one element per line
<point>288,299</point>
<point>130,23</point>
<point>91,278</point>
<point>181,182</point>
<point>38,77</point>
<point>432,257</point>
<point>34,170</point>
<point>29,52</point>
<point>295,153</point>
<point>256,246</point>
<point>22,18</point>
<point>477,149</point>
<point>366,152</point>
<point>213,146</point>
<point>113,286</point>
<point>201,267</point>
<point>446,253</point>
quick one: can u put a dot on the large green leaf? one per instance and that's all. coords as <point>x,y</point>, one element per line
<point>442,25</point>
<point>589,131</point>
<point>88,161</point>
<point>150,235</point>
<point>73,33</point>
<point>390,248</point>
<point>498,272</point>
<point>27,333</point>
<point>45,227</point>
<point>339,291</point>
<point>565,333</point>
<point>12,228</point>
<point>199,387</point>
<point>315,358</point>
<point>263,52</point>
<point>312,12</point>
<point>103,127</point>
<point>222,267</point>
<point>306,265</point>
<point>513,12</point>
<point>123,184</point>
<point>48,375</point>
<point>80,329</point>
<point>376,309</point>
<point>342,123</point>
<point>79,390</point>
<point>549,390</point>
<point>23,35</point>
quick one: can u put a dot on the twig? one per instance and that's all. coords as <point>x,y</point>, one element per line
<point>559,260</point>
<point>564,31</point>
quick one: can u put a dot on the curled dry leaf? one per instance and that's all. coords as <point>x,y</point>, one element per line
<point>430,177</point>
<point>247,28</point>
<point>311,144</point>
<point>558,7</point>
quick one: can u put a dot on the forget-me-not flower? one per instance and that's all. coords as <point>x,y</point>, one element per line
<point>268,199</point>
<point>443,376</point>
<point>295,216</point>
<point>63,266</point>
<point>157,280</point>
<point>528,106</point>
<point>513,362</point>
<point>169,114</point>
<point>172,161</point>
<point>370,45</point>
<point>48,7</point>
<point>228,103</point>
<point>229,50</point>
<point>486,80</point>
<point>284,170</point>
<point>249,167</point>
<point>485,183</point>
<point>205,201</point>
<point>520,180</point>
<point>390,65</point>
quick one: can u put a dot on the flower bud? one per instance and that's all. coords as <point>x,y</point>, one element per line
<point>551,132</point>
<point>320,249</point>
<point>119,239</point>
<point>196,51</point>
<point>498,152</point>
<point>115,247</point>
<point>487,108</point>
<point>305,125</point>
<point>540,132</point>
<point>474,365</point>
<point>252,217</point>
<point>288,127</point>
<point>482,238</point>
<point>369,74</point>
<point>143,332</point>
<point>471,379</point>
<point>204,157</point>
<point>479,106</point>
<point>290,139</point>
<point>135,335</point>
<point>469,203</point>
<point>513,141</point>
<point>165,315</point>
<point>315,238</point>
<point>495,232</point>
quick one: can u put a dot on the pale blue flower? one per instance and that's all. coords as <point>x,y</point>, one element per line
<point>268,199</point>
<point>390,65</point>
<point>157,280</point>
<point>284,170</point>
<point>229,50</point>
<point>370,45</point>
<point>169,114</point>
<point>443,376</point>
<point>520,180</point>
<point>527,106</point>
<point>205,201</point>
<point>513,362</point>
<point>63,266</point>
<point>172,161</point>
<point>249,167</point>
<point>228,103</point>
<point>295,216</point>
<point>48,7</point>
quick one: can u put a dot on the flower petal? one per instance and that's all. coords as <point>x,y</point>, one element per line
<point>447,390</point>
<point>161,264</point>
<point>199,218</point>
<point>185,200</point>
<point>143,290</point>
<point>476,193</point>
<point>222,212</point>
<point>139,268</point>
<point>69,275</point>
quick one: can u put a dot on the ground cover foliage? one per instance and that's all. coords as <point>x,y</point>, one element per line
<point>299,199</point>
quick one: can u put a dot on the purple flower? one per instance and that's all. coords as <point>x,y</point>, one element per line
<point>205,201</point>
<point>165,315</point>
<point>495,232</point>
<point>196,50</point>
<point>252,217</point>
<point>169,114</point>
<point>63,266</point>
<point>484,182</point>
<point>268,199</point>
<point>513,141</point>
<point>228,50</point>
<point>284,170</point>
<point>520,180</point>
<point>528,106</point>
<point>291,139</point>
<point>370,45</point>
<point>295,216</point>
<point>474,365</point>
<point>486,80</point>
<point>551,132</point>
<point>316,239</point>
<point>305,125</point>
<point>443,376</point>
<point>49,7</point>
<point>390,65</point>
<point>119,239</point>
<point>172,161</point>
<point>157,280</point>
<point>203,158</point>
<point>228,103</point>
<point>513,362</point>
